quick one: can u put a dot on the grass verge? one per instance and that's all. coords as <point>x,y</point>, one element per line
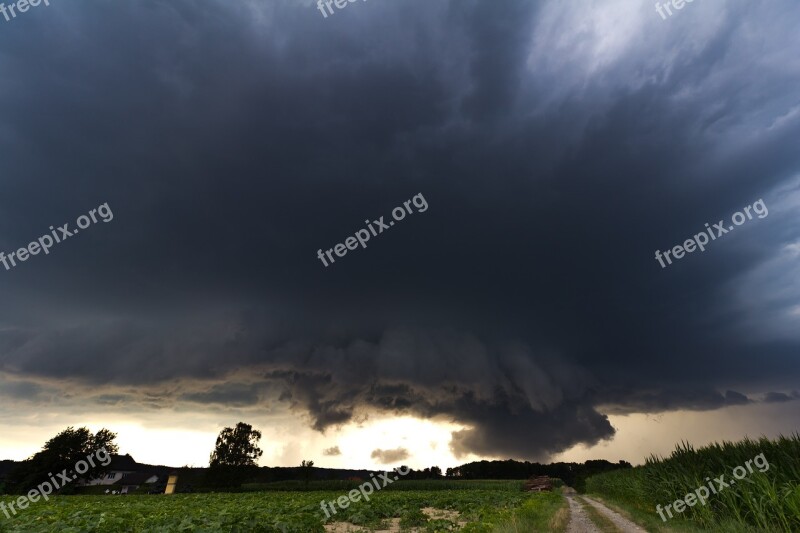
<point>603,523</point>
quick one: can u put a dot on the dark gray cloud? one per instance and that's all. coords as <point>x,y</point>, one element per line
<point>333,451</point>
<point>780,397</point>
<point>231,394</point>
<point>233,141</point>
<point>695,399</point>
<point>389,456</point>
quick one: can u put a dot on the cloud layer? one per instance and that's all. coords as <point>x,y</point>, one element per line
<point>558,147</point>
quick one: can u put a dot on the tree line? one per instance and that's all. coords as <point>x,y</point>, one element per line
<point>234,461</point>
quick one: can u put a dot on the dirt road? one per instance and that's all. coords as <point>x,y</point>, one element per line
<point>581,522</point>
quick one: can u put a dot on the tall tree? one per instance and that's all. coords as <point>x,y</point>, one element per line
<point>237,447</point>
<point>62,452</point>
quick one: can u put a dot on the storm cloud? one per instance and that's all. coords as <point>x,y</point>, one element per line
<point>558,146</point>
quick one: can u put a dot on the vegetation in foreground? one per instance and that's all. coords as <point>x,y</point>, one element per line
<point>766,501</point>
<point>500,508</point>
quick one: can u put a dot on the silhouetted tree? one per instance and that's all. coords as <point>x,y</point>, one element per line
<point>307,466</point>
<point>235,456</point>
<point>237,447</point>
<point>63,452</point>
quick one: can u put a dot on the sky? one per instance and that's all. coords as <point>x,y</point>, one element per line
<point>528,159</point>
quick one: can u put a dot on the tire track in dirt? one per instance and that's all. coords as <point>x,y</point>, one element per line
<point>580,522</point>
<point>622,523</point>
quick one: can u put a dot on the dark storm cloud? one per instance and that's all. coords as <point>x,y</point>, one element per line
<point>112,399</point>
<point>21,389</point>
<point>694,399</point>
<point>535,435</point>
<point>234,140</point>
<point>780,397</point>
<point>452,376</point>
<point>232,394</point>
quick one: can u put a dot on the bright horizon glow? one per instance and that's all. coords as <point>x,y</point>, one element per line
<point>178,438</point>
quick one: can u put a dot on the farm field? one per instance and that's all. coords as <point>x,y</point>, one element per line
<point>478,507</point>
<point>766,499</point>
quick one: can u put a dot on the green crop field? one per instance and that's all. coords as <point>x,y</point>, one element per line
<point>760,501</point>
<point>485,506</point>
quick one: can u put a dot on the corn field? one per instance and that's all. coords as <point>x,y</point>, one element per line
<point>767,501</point>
